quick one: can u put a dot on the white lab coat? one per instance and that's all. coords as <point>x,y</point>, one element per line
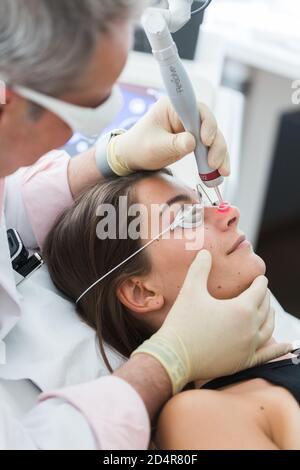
<point>53,424</point>
<point>9,298</point>
<point>103,414</point>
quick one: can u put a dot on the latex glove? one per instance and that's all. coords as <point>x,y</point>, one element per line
<point>158,140</point>
<point>204,338</point>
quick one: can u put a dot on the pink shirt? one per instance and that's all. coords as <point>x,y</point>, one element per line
<point>46,192</point>
<point>114,411</point>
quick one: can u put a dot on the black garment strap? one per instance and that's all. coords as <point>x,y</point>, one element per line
<point>284,374</point>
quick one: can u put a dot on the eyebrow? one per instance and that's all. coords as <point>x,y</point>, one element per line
<point>175,199</point>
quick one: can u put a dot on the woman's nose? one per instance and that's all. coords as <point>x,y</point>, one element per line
<point>223,220</point>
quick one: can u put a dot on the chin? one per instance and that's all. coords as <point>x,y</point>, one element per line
<point>253,267</point>
<point>259,266</point>
<point>238,280</point>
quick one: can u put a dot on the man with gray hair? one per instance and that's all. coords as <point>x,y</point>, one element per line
<point>60,60</point>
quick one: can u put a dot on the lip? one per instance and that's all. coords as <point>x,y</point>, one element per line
<point>234,247</point>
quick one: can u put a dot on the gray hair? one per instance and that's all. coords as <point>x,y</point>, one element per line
<point>46,44</point>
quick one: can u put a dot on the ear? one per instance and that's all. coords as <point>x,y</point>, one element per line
<point>139,297</point>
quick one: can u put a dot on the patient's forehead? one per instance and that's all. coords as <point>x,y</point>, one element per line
<point>158,189</point>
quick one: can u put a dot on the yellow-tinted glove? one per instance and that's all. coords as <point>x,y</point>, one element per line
<point>158,140</point>
<point>204,338</point>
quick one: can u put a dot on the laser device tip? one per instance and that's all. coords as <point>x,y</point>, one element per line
<point>219,195</point>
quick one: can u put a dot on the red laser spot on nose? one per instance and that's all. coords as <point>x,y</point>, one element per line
<point>224,207</point>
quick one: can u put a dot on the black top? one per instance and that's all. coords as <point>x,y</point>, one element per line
<point>284,374</point>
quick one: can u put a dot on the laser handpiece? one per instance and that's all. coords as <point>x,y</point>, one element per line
<point>180,90</point>
<point>219,195</point>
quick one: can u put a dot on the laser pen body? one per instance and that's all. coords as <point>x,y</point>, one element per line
<point>180,91</point>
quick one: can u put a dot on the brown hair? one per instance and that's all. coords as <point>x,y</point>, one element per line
<point>76,258</point>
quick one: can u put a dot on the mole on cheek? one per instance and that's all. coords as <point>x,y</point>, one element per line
<point>219,287</point>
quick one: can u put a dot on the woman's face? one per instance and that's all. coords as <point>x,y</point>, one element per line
<point>233,269</point>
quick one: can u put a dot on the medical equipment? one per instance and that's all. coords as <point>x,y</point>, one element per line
<point>137,101</point>
<point>222,207</point>
<point>188,217</point>
<point>158,24</point>
<point>23,264</point>
<point>201,8</point>
<point>87,121</point>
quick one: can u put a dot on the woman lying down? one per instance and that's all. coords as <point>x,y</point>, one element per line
<point>255,409</point>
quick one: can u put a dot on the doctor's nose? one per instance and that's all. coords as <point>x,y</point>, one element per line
<point>223,220</point>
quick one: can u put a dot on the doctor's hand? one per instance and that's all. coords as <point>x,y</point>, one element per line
<point>158,140</point>
<point>204,338</point>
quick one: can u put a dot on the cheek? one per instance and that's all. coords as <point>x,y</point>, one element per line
<point>210,240</point>
<point>230,275</point>
<point>170,264</point>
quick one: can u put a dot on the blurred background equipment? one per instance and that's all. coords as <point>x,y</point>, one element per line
<point>186,39</point>
<point>279,237</point>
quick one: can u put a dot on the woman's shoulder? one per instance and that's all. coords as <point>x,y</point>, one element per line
<point>274,409</point>
<point>266,414</point>
<point>210,419</point>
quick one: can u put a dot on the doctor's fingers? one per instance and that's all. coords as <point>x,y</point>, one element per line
<point>218,156</point>
<point>253,298</point>
<point>270,353</point>
<point>267,329</point>
<point>264,309</point>
<point>209,125</point>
